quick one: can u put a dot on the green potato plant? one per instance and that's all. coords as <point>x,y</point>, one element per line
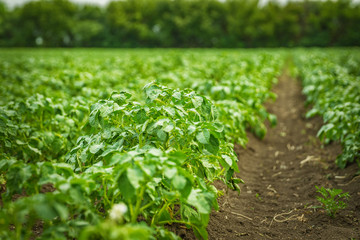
<point>332,87</point>
<point>72,149</point>
<point>331,200</point>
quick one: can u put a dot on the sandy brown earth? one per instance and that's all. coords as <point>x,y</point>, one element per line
<point>280,174</point>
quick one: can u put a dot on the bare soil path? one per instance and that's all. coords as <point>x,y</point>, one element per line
<point>280,174</point>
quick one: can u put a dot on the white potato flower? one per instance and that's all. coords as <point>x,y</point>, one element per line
<point>117,211</point>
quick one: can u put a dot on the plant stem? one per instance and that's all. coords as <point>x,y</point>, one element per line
<point>158,213</point>
<point>178,221</point>
<point>105,195</point>
<point>138,204</point>
<point>113,199</point>
<point>146,206</point>
<point>140,140</point>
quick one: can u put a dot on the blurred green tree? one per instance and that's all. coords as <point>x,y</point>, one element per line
<point>181,23</point>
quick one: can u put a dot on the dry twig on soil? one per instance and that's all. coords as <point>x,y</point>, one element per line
<point>241,215</point>
<point>284,219</point>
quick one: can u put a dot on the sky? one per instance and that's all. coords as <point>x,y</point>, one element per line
<point>13,3</point>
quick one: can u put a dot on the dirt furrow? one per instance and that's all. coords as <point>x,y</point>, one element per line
<point>280,174</point>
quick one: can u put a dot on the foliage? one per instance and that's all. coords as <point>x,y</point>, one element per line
<point>73,150</point>
<point>331,200</point>
<point>180,123</point>
<point>331,84</point>
<point>79,139</point>
<point>181,23</point>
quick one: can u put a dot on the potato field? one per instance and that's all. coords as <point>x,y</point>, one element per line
<point>179,144</point>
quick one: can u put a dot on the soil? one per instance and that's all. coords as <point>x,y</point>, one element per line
<point>280,174</point>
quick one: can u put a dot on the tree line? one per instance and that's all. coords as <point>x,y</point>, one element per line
<point>181,23</point>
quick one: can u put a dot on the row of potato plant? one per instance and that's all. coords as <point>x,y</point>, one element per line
<point>159,158</point>
<point>127,166</point>
<point>332,85</point>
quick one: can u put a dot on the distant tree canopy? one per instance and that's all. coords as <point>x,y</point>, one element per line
<point>181,23</point>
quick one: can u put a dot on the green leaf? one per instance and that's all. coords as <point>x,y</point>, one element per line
<point>168,127</point>
<point>189,213</point>
<point>178,157</point>
<point>6,163</point>
<point>140,116</point>
<point>164,216</point>
<point>79,223</point>
<point>170,110</point>
<point>120,97</point>
<point>325,129</point>
<point>203,136</point>
<point>125,187</point>
<point>161,135</point>
<point>93,118</point>
<point>155,152</point>
<point>200,232</point>
<point>45,211</point>
<point>170,172</point>
<point>179,182</point>
<point>118,159</point>
<point>312,113</point>
<point>228,160</point>
<point>19,142</point>
<point>273,120</point>
<point>35,150</point>
<point>213,146</point>
<point>61,210</point>
<point>152,92</point>
<point>197,101</point>
<point>8,143</point>
<point>191,129</point>
<point>185,192</point>
<point>177,95</point>
<point>145,125</point>
<point>200,201</point>
<point>96,147</point>
<point>135,177</point>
